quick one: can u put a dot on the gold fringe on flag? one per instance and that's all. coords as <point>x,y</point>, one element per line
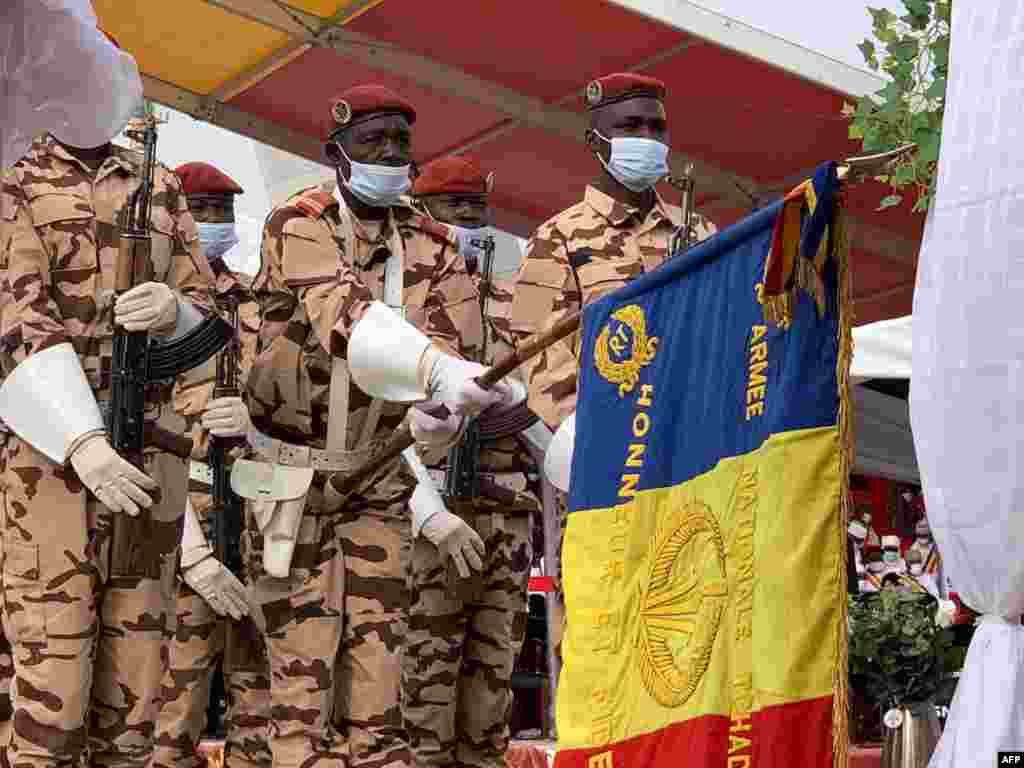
<point>840,700</point>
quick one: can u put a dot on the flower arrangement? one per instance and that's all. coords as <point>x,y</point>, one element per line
<point>901,647</point>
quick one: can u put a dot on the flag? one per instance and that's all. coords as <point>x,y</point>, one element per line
<point>705,554</point>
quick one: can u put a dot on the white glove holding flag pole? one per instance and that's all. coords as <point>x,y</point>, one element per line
<point>227,417</point>
<point>207,575</point>
<point>432,520</point>
<point>390,359</point>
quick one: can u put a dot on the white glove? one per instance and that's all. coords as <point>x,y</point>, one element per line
<point>430,431</point>
<point>227,417</point>
<point>147,307</point>
<point>451,382</point>
<point>454,539</point>
<point>213,582</point>
<point>117,484</point>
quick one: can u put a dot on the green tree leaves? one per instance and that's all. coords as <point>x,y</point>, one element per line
<point>913,50</point>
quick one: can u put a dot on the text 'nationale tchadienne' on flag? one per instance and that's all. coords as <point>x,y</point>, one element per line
<point>704,559</point>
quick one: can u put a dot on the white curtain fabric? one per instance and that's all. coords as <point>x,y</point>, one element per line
<point>882,350</point>
<point>967,386</point>
<point>59,74</point>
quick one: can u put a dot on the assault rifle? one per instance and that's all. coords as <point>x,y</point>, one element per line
<point>227,507</point>
<point>462,479</point>
<point>685,237</point>
<point>138,362</point>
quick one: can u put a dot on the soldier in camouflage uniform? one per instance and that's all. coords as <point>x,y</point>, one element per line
<point>335,625</point>
<point>460,649</point>
<point>199,641</point>
<point>621,229</point>
<point>88,590</point>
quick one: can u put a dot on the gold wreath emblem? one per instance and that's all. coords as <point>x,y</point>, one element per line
<point>625,373</point>
<point>341,112</point>
<point>681,605</point>
<point>594,93</point>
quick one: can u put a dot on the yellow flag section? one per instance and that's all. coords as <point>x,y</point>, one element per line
<point>697,614</point>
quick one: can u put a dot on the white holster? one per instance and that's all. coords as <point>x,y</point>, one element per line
<point>277,496</point>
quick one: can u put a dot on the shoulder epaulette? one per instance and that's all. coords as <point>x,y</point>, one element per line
<point>313,204</point>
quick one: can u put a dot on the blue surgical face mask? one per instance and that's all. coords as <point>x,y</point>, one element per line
<point>891,557</point>
<point>217,239</point>
<point>379,186</point>
<point>637,164</point>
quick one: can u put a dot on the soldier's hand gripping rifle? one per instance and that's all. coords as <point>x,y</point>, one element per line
<point>227,507</point>
<point>139,361</point>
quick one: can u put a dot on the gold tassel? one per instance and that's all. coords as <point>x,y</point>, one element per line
<point>840,701</point>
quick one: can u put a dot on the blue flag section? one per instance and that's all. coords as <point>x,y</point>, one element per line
<point>720,379</point>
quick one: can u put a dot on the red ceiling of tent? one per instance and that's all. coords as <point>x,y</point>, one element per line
<point>296,96</point>
<point>542,48</point>
<point>750,119</point>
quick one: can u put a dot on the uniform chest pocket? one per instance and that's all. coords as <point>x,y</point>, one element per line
<point>65,224</point>
<point>598,278</point>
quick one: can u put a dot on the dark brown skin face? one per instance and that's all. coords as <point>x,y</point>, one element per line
<point>383,140</point>
<point>212,209</point>
<point>642,118</point>
<point>462,210</point>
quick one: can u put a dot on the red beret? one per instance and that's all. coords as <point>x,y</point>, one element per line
<point>361,103</point>
<point>621,86</point>
<point>455,174</point>
<point>204,179</point>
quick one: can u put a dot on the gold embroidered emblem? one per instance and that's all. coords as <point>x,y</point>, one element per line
<point>682,604</point>
<point>624,348</point>
<point>594,93</point>
<point>341,112</point>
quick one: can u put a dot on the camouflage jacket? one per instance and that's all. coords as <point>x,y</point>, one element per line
<point>574,258</point>
<point>314,284</point>
<point>59,242</point>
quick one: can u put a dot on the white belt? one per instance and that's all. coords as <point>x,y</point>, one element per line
<point>200,472</point>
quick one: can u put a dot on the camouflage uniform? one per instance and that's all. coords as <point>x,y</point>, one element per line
<point>458,660</point>
<point>200,636</point>
<point>573,259</point>
<point>88,624</point>
<point>6,657</point>
<point>334,629</point>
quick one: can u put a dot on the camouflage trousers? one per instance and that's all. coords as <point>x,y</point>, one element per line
<point>458,659</point>
<point>88,607</point>
<point>334,630</point>
<point>198,644</point>
<point>6,676</point>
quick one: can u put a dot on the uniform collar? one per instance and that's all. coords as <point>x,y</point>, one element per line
<point>384,241</point>
<point>618,214</point>
<point>120,159</point>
